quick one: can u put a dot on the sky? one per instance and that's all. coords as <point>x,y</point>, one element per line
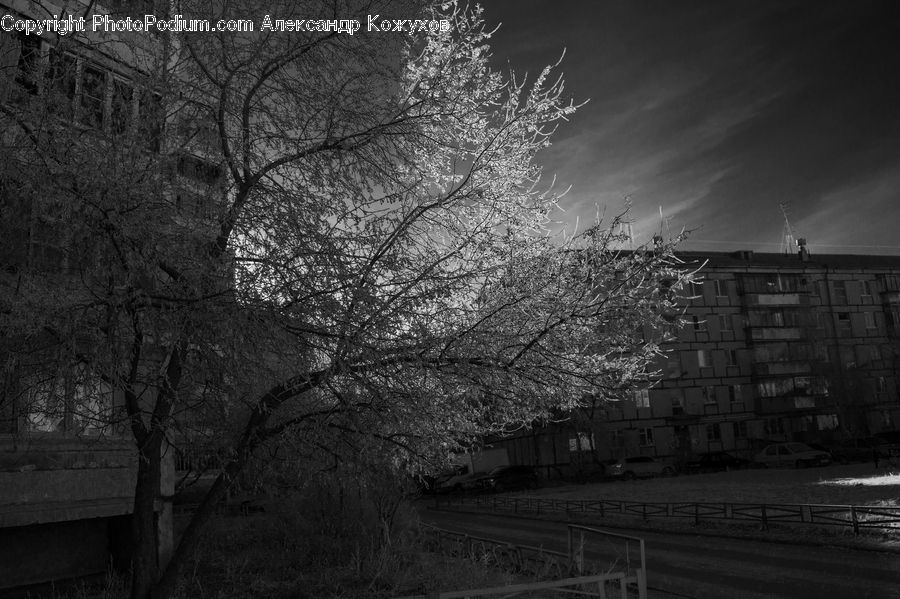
<point>719,111</point>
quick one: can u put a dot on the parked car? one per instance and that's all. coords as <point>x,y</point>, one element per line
<point>856,450</point>
<point>509,478</point>
<point>889,443</point>
<point>717,461</point>
<point>794,454</point>
<point>640,467</point>
<point>457,479</point>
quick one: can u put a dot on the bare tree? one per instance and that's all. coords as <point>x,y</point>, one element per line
<point>366,261</point>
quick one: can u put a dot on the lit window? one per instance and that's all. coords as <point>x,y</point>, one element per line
<point>735,394</point>
<point>673,365</point>
<point>642,398</point>
<point>703,358</point>
<point>581,442</point>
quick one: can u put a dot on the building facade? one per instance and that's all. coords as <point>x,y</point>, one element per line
<point>770,347</point>
<point>68,462</point>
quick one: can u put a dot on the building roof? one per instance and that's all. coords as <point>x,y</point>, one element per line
<point>745,259</point>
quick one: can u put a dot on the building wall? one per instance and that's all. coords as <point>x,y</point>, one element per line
<point>771,347</point>
<point>66,490</point>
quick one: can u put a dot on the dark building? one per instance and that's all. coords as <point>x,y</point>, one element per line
<point>770,347</point>
<point>67,459</point>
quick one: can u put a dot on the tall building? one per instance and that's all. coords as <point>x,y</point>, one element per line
<point>67,459</point>
<point>770,347</point>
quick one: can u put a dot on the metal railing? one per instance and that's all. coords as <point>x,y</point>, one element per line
<point>856,517</point>
<point>578,571</point>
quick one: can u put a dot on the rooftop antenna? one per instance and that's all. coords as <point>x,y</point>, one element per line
<point>663,224</point>
<point>626,233</point>
<point>788,241</point>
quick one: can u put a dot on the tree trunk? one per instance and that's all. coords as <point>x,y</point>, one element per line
<point>168,582</point>
<point>145,559</point>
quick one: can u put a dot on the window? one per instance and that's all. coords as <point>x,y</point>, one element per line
<point>731,357</point>
<point>67,401</point>
<point>725,324</point>
<point>151,119</point>
<point>740,429</point>
<point>843,324</point>
<point>697,289</point>
<point>709,394</point>
<point>721,289</point>
<point>827,422</point>
<point>616,438</point>
<point>773,426</point>
<point>713,432</point>
<point>93,96</point>
<point>642,398</point>
<point>29,63</point>
<point>673,365</point>
<point>62,77</point>
<point>646,437</point>
<point>198,170</point>
<point>870,320</point>
<point>865,290</point>
<point>881,385</point>
<point>699,324</point>
<point>735,394</point>
<point>122,107</point>
<point>840,292</point>
<point>677,406</point>
<point>583,441</point>
<point>704,359</point>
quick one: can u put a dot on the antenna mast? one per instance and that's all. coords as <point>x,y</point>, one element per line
<point>788,241</point>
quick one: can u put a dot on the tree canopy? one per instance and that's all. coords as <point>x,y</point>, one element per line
<point>336,239</point>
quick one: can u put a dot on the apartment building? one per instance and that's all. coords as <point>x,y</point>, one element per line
<point>67,462</point>
<point>770,347</point>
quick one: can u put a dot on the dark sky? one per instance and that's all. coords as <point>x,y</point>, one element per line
<point>720,110</point>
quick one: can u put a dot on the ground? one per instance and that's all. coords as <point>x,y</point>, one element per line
<point>852,484</point>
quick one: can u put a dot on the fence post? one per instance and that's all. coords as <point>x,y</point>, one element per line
<point>696,514</point>
<point>765,520</point>
<point>855,519</point>
<point>644,509</point>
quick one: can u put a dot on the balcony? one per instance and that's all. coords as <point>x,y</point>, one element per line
<point>60,479</point>
<point>775,333</point>
<point>777,368</point>
<point>772,299</point>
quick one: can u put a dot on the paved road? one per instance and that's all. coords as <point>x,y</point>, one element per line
<point>686,565</point>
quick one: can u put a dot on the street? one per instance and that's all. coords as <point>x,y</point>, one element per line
<point>688,565</point>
